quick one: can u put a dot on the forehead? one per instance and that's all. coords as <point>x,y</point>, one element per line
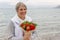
<point>22,7</point>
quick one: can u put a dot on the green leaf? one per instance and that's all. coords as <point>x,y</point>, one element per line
<point>35,24</point>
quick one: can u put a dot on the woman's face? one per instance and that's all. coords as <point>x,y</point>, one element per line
<point>22,11</point>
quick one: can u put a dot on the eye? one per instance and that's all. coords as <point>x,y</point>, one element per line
<point>21,9</point>
<point>24,9</point>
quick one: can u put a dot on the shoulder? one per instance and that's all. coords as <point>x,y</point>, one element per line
<point>10,23</point>
<point>28,18</point>
<point>13,19</point>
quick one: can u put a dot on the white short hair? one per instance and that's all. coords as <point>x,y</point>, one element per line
<point>19,4</point>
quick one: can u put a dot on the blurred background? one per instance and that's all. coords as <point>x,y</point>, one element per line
<point>46,13</point>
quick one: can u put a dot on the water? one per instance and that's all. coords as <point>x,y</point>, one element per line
<point>48,20</point>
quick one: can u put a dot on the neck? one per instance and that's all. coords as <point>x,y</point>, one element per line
<point>21,17</point>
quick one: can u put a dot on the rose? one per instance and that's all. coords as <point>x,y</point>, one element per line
<point>28,26</point>
<point>32,26</point>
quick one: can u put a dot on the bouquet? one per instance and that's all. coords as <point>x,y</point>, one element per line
<point>28,26</point>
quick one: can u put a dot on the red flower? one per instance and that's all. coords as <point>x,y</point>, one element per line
<point>32,26</point>
<point>28,26</point>
<point>22,25</point>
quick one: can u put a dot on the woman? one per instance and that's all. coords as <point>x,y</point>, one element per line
<point>15,31</point>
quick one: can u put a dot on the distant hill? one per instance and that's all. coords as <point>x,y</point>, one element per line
<point>57,6</point>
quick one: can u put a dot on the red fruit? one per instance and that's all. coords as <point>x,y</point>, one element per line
<point>32,26</point>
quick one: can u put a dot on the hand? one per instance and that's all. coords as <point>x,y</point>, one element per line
<point>27,35</point>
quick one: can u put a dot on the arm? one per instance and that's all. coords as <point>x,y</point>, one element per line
<point>16,34</point>
<point>27,35</point>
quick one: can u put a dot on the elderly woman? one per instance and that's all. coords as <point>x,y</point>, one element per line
<point>16,32</point>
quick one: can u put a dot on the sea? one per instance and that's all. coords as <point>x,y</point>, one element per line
<point>47,19</point>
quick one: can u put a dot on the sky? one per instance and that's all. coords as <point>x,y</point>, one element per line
<point>33,2</point>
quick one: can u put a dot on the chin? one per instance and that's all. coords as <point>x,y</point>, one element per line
<point>23,15</point>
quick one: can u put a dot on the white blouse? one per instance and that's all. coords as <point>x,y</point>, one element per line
<point>18,30</point>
